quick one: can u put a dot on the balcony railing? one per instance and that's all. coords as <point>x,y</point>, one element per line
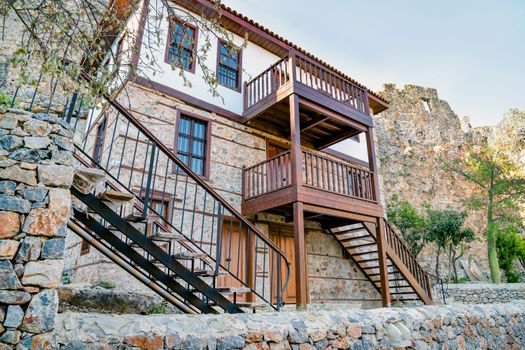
<point>337,177</point>
<point>309,73</point>
<point>319,172</point>
<point>268,176</point>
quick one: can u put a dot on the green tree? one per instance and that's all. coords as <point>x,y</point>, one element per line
<point>445,229</point>
<point>500,187</point>
<point>409,221</point>
<point>510,246</point>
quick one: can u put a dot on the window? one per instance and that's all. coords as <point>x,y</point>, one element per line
<point>182,41</point>
<point>192,143</point>
<point>426,105</point>
<point>99,141</point>
<point>84,247</point>
<point>163,208</point>
<point>229,67</point>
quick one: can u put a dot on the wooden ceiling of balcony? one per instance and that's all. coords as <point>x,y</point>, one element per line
<point>320,127</point>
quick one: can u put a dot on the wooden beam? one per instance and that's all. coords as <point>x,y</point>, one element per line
<point>338,137</point>
<point>301,258</point>
<point>313,122</point>
<point>383,263</point>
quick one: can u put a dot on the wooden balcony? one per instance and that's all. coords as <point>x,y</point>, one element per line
<point>325,186</point>
<point>331,107</point>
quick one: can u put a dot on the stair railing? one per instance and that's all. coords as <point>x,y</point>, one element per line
<point>403,252</point>
<point>182,202</point>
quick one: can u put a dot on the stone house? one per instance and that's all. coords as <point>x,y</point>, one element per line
<point>274,186</point>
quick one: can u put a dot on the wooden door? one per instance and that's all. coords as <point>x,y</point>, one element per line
<point>234,255</point>
<point>282,236</point>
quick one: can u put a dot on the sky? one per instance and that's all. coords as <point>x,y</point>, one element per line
<point>471,51</point>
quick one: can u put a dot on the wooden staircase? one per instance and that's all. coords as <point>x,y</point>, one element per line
<point>407,281</point>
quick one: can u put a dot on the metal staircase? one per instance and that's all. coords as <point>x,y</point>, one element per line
<point>407,280</point>
<point>153,216</point>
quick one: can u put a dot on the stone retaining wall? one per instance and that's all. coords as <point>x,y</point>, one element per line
<point>497,326</point>
<point>36,173</point>
<point>479,293</point>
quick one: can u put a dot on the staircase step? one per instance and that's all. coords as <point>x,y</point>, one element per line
<point>205,273</point>
<point>116,196</point>
<point>351,238</point>
<point>86,179</point>
<point>363,245</point>
<point>251,305</point>
<point>137,217</point>
<point>227,290</point>
<point>364,253</point>
<point>167,237</point>
<point>189,255</point>
<point>367,260</point>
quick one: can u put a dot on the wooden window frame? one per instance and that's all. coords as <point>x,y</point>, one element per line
<point>157,196</point>
<point>207,153</point>
<point>172,20</point>
<point>85,247</point>
<point>239,66</point>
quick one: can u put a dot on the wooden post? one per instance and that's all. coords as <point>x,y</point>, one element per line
<point>252,269</point>
<point>372,163</point>
<point>295,136</point>
<point>383,263</point>
<point>301,258</point>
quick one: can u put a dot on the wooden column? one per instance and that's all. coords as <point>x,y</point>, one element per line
<point>383,263</point>
<point>372,163</point>
<point>301,258</point>
<point>295,136</point>
<point>301,269</point>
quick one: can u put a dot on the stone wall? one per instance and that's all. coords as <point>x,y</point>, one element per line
<point>36,173</point>
<point>412,136</point>
<point>498,326</point>
<point>479,293</point>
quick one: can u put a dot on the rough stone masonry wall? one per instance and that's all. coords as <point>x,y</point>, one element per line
<point>36,173</point>
<point>479,293</point>
<point>411,140</point>
<point>497,326</point>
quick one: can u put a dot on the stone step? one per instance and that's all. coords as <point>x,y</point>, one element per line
<point>116,196</point>
<point>189,255</point>
<point>138,217</point>
<point>86,179</point>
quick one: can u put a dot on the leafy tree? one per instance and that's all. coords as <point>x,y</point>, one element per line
<point>510,246</point>
<point>500,188</point>
<point>445,229</point>
<point>409,221</point>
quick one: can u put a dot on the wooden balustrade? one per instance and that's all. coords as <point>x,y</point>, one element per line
<point>319,172</point>
<point>333,176</point>
<point>268,176</point>
<point>266,83</point>
<point>307,72</point>
<point>402,250</point>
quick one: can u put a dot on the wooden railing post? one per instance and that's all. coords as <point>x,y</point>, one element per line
<point>292,61</point>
